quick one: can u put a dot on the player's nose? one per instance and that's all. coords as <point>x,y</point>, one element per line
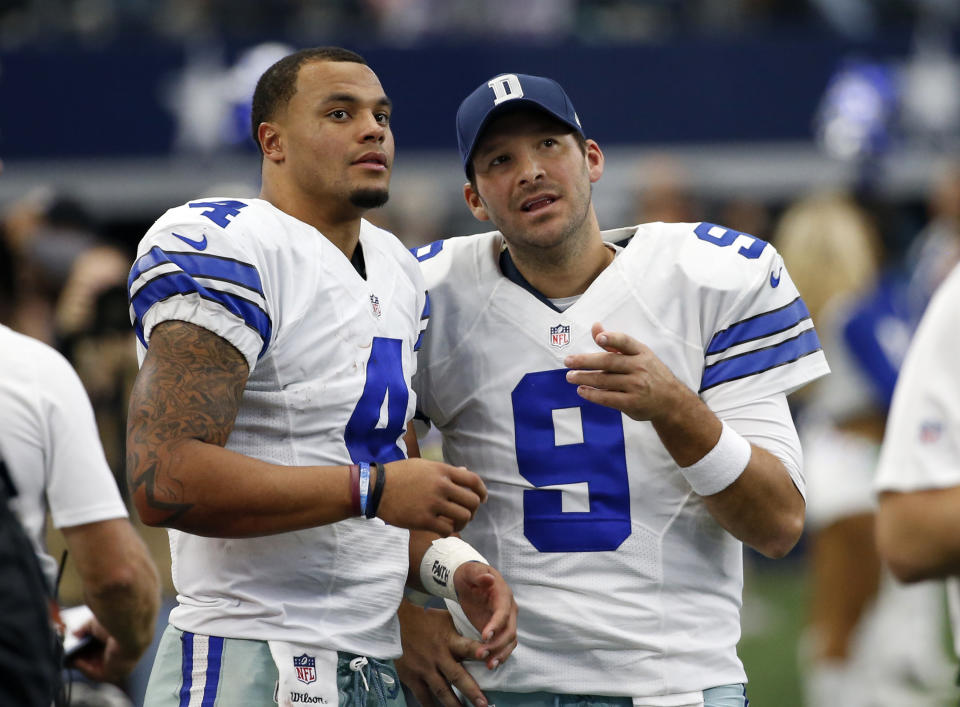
<point>529,167</point>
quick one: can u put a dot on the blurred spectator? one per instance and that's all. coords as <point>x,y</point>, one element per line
<point>918,480</point>
<point>44,233</point>
<point>862,648</point>
<point>663,192</point>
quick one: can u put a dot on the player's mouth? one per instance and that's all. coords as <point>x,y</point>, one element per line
<point>536,203</point>
<point>372,160</point>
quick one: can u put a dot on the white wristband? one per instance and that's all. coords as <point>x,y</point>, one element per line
<point>441,561</point>
<point>721,466</point>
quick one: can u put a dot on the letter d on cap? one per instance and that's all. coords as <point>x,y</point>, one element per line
<point>505,87</point>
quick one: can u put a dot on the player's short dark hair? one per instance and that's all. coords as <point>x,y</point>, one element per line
<point>278,83</point>
<point>581,143</point>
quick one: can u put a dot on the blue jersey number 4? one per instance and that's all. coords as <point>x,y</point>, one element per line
<point>372,435</point>
<point>597,456</point>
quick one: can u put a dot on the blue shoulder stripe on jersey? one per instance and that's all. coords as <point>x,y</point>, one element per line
<point>178,283</point>
<point>215,267</point>
<point>759,326</point>
<point>425,252</point>
<point>760,360</point>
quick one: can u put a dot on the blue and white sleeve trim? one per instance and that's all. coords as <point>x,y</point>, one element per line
<point>760,343</point>
<point>160,277</point>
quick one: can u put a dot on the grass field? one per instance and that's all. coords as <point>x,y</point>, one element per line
<point>774,606</point>
<point>774,610</point>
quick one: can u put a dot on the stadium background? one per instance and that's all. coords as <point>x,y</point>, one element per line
<point>727,111</point>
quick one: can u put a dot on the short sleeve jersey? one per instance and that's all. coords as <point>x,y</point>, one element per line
<point>330,354</point>
<point>625,583</point>
<point>921,446</point>
<point>49,444</point>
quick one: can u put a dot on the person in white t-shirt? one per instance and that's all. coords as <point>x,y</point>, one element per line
<point>54,465</point>
<point>918,479</point>
<point>623,395</point>
<point>277,339</point>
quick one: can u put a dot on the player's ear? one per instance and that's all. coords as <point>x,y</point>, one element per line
<point>270,141</point>
<point>475,203</point>
<point>594,157</point>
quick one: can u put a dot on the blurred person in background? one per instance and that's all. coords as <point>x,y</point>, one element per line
<point>868,642</point>
<point>663,192</point>
<point>919,473</point>
<point>55,466</point>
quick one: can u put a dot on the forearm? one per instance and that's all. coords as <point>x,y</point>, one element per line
<point>128,608</point>
<point>205,489</point>
<point>120,581</point>
<point>762,507</point>
<point>918,533</point>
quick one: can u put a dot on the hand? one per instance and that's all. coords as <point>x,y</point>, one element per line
<point>420,494</point>
<point>432,655</point>
<point>105,660</point>
<point>628,377</point>
<point>488,602</point>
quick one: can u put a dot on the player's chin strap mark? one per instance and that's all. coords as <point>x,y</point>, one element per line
<point>441,561</point>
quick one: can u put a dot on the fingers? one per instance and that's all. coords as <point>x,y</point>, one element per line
<point>466,479</point>
<point>421,691</point>
<point>457,675</point>
<point>612,399</point>
<point>616,341</point>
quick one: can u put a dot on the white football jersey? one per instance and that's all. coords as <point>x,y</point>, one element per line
<point>49,444</point>
<point>331,355</point>
<point>921,446</point>
<point>626,585</point>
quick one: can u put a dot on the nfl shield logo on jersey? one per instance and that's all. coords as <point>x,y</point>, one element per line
<point>560,335</point>
<point>306,666</point>
<point>375,303</point>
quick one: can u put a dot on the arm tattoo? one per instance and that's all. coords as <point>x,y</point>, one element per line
<point>189,387</point>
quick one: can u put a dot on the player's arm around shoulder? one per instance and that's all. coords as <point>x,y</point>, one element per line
<point>746,489</point>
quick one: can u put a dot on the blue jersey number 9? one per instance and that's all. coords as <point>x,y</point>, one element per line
<point>599,460</point>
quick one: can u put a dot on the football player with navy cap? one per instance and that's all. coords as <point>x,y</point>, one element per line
<point>623,396</point>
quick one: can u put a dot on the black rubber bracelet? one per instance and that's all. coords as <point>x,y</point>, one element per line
<point>373,503</point>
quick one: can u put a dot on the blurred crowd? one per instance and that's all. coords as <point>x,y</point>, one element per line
<point>24,22</point>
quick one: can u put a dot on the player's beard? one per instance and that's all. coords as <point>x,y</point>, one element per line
<point>369,198</point>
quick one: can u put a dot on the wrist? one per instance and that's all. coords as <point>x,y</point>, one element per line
<point>440,563</point>
<point>721,466</point>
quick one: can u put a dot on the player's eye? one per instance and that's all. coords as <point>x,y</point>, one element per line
<point>338,114</point>
<point>383,118</point>
<point>549,142</point>
<point>499,159</point>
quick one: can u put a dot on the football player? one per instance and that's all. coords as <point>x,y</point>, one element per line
<point>623,396</point>
<point>277,339</point>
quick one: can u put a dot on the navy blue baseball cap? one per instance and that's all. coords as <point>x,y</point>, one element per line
<point>505,92</point>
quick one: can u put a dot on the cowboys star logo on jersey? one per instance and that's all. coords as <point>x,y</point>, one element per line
<point>375,303</point>
<point>560,335</point>
<point>306,666</point>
